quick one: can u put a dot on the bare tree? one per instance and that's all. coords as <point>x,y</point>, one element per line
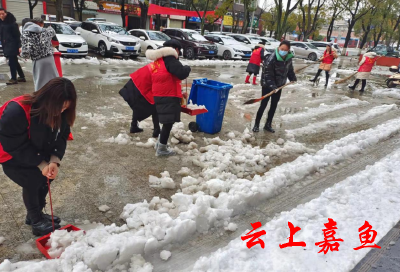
<point>337,11</point>
<point>310,16</point>
<point>283,15</point>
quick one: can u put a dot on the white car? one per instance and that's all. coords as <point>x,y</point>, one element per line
<point>322,46</point>
<point>306,50</point>
<point>251,41</point>
<point>149,39</point>
<point>96,20</point>
<point>110,39</point>
<point>53,18</point>
<point>71,44</point>
<point>272,41</point>
<point>229,48</point>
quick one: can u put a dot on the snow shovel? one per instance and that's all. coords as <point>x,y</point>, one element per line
<point>41,242</point>
<point>252,101</point>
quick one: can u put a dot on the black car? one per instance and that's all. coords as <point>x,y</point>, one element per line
<point>194,45</point>
<point>384,50</point>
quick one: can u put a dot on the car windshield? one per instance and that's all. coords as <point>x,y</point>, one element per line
<point>63,29</point>
<point>158,36</point>
<point>52,19</point>
<point>113,28</point>
<point>194,36</point>
<point>254,40</point>
<point>311,46</point>
<point>230,41</point>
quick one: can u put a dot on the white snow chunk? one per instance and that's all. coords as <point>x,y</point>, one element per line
<point>165,181</point>
<point>192,106</point>
<point>60,239</point>
<point>104,208</point>
<point>2,239</point>
<point>165,254</point>
<point>231,227</point>
<point>151,142</point>
<point>393,93</point>
<point>280,141</point>
<point>184,172</point>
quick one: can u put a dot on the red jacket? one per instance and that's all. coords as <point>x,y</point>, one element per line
<point>367,65</point>
<point>328,58</point>
<point>142,80</point>
<point>4,156</point>
<point>256,56</point>
<point>163,82</point>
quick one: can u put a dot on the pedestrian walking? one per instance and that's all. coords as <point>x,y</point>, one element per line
<point>138,94</point>
<point>10,38</point>
<point>256,58</point>
<point>166,73</point>
<point>326,63</point>
<point>366,64</point>
<point>278,67</point>
<point>33,137</point>
<point>36,44</point>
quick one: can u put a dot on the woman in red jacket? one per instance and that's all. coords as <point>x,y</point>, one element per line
<point>257,57</point>
<point>34,129</point>
<point>326,65</point>
<point>366,65</point>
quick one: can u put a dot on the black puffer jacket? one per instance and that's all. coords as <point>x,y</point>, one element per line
<point>10,36</point>
<point>276,71</point>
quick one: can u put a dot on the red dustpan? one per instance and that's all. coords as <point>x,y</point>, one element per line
<point>42,241</point>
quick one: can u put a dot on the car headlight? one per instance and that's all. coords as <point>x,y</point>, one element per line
<point>239,51</point>
<point>112,40</point>
<point>84,43</point>
<point>159,46</point>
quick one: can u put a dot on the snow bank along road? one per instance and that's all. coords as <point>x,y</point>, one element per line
<point>350,175</point>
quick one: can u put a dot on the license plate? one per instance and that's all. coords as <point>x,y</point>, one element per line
<point>72,51</point>
<point>130,48</point>
<point>247,55</point>
<point>211,52</point>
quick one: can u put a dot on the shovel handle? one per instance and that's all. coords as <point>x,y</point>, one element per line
<point>51,204</point>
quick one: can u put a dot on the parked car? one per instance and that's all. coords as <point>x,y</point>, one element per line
<point>322,46</point>
<point>206,32</point>
<point>384,50</point>
<point>96,20</point>
<point>269,48</point>
<point>53,18</point>
<point>229,48</point>
<point>75,25</point>
<point>194,45</point>
<point>249,40</point>
<point>306,50</point>
<point>220,33</point>
<point>110,39</point>
<point>149,39</point>
<point>71,44</point>
<point>272,41</point>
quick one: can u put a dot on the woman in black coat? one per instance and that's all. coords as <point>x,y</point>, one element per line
<point>11,42</point>
<point>278,67</point>
<point>33,137</point>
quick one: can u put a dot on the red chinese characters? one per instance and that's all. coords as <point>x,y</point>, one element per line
<point>367,236</point>
<point>330,242</point>
<point>293,231</point>
<point>254,236</point>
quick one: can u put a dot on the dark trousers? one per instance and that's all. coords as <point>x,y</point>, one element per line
<point>319,72</point>
<point>34,187</point>
<point>363,83</point>
<point>15,67</point>
<point>274,103</point>
<point>165,131</point>
<point>154,117</point>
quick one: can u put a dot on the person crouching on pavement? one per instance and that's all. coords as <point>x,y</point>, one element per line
<point>329,56</point>
<point>166,73</point>
<point>34,129</point>
<point>138,94</point>
<point>256,58</point>
<point>366,65</point>
<point>278,67</point>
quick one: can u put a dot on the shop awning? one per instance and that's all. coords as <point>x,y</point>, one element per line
<point>155,9</point>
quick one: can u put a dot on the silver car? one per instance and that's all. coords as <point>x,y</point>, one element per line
<point>306,50</point>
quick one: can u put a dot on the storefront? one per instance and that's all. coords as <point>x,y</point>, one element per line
<point>20,9</point>
<point>176,21</point>
<point>111,11</point>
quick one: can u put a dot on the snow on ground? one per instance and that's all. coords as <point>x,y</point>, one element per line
<point>96,61</point>
<point>208,62</point>
<point>60,239</point>
<point>122,138</point>
<point>345,120</point>
<point>393,93</point>
<point>101,120</point>
<point>151,227</point>
<point>165,181</point>
<point>350,203</point>
<point>2,239</point>
<point>323,109</point>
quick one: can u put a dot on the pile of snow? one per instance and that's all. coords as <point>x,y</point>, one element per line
<point>180,134</point>
<point>122,139</point>
<point>95,61</point>
<point>165,181</point>
<point>184,172</point>
<point>60,239</point>
<point>165,255</point>
<point>323,109</point>
<point>346,120</point>
<point>192,106</point>
<point>350,204</point>
<point>393,93</point>
<point>151,142</point>
<point>101,120</point>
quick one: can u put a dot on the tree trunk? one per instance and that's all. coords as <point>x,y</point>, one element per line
<point>59,11</point>
<point>348,36</point>
<point>123,13</point>
<point>143,14</point>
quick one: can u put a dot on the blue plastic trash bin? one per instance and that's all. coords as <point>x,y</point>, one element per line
<point>213,95</point>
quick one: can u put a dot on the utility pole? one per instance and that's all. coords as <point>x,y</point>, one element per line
<point>252,17</point>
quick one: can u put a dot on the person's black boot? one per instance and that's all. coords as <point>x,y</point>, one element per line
<point>57,220</point>
<point>135,128</point>
<point>268,127</point>
<point>256,127</point>
<point>352,87</point>
<point>156,132</point>
<point>327,80</point>
<point>43,227</point>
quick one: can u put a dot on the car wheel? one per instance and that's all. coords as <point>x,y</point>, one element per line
<point>103,49</point>
<point>227,55</point>
<point>190,53</point>
<point>312,57</point>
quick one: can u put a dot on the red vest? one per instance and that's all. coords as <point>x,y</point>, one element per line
<point>367,65</point>
<point>328,58</point>
<point>142,80</point>
<point>4,156</point>
<point>163,82</point>
<point>256,56</point>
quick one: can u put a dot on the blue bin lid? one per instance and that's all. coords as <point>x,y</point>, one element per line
<point>207,83</point>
